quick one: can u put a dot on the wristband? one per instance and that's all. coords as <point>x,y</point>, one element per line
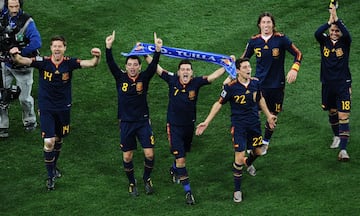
<point>295,67</point>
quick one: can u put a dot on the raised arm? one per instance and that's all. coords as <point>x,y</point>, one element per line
<point>110,40</point>
<point>216,74</point>
<point>158,45</point>
<point>96,53</point>
<point>228,78</point>
<point>149,59</point>
<point>345,33</point>
<point>333,15</point>
<point>200,128</point>
<point>17,58</point>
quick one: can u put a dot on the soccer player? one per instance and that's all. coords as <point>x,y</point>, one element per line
<point>336,79</point>
<point>181,116</point>
<point>245,97</point>
<point>269,48</point>
<point>133,111</point>
<point>55,74</point>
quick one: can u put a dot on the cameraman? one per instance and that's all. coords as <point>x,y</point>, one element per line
<point>22,33</point>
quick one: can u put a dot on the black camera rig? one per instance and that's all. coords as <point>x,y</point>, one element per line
<point>6,43</point>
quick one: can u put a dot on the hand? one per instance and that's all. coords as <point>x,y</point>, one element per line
<point>96,52</point>
<point>333,14</point>
<point>291,76</point>
<point>201,128</point>
<point>14,51</point>
<point>272,121</point>
<point>158,43</point>
<point>109,40</point>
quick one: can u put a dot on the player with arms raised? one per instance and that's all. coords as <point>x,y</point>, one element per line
<point>55,74</point>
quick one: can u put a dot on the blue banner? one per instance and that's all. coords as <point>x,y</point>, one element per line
<point>225,61</point>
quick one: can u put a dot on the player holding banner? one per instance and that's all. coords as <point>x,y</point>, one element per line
<point>269,47</point>
<point>183,94</point>
<point>133,112</point>
<point>335,77</point>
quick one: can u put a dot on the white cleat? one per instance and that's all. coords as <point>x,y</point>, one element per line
<point>251,170</point>
<point>343,155</point>
<point>336,142</point>
<point>264,149</point>
<point>237,196</point>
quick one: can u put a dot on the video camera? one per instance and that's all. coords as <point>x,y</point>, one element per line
<point>8,95</point>
<point>6,43</point>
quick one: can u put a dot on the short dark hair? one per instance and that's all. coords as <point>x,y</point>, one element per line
<point>58,38</point>
<point>239,61</point>
<point>133,57</point>
<point>184,61</point>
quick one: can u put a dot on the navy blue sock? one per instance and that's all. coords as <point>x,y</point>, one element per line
<point>344,132</point>
<point>57,150</point>
<point>148,167</point>
<point>129,170</point>
<point>237,174</point>
<point>334,123</point>
<point>49,159</point>
<point>184,178</point>
<point>252,157</point>
<point>268,132</point>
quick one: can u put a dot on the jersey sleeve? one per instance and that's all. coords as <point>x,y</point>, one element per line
<point>113,67</point>
<point>152,67</point>
<point>224,95</point>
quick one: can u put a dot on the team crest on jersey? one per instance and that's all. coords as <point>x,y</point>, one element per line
<point>266,47</point>
<point>275,52</point>
<point>65,76</point>
<point>139,86</point>
<point>192,95</point>
<point>339,52</point>
<point>247,92</point>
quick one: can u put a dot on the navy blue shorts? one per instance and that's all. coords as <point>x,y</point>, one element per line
<point>274,98</point>
<point>246,137</point>
<point>180,139</point>
<point>54,123</point>
<point>141,130</point>
<point>336,97</point>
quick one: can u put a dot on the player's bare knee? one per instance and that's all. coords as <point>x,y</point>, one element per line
<point>180,162</point>
<point>149,153</point>
<point>49,144</point>
<point>127,156</point>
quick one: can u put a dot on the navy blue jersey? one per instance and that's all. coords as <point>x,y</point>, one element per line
<point>270,58</point>
<point>334,56</point>
<point>244,108</point>
<point>55,82</point>
<point>132,93</point>
<point>182,98</point>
